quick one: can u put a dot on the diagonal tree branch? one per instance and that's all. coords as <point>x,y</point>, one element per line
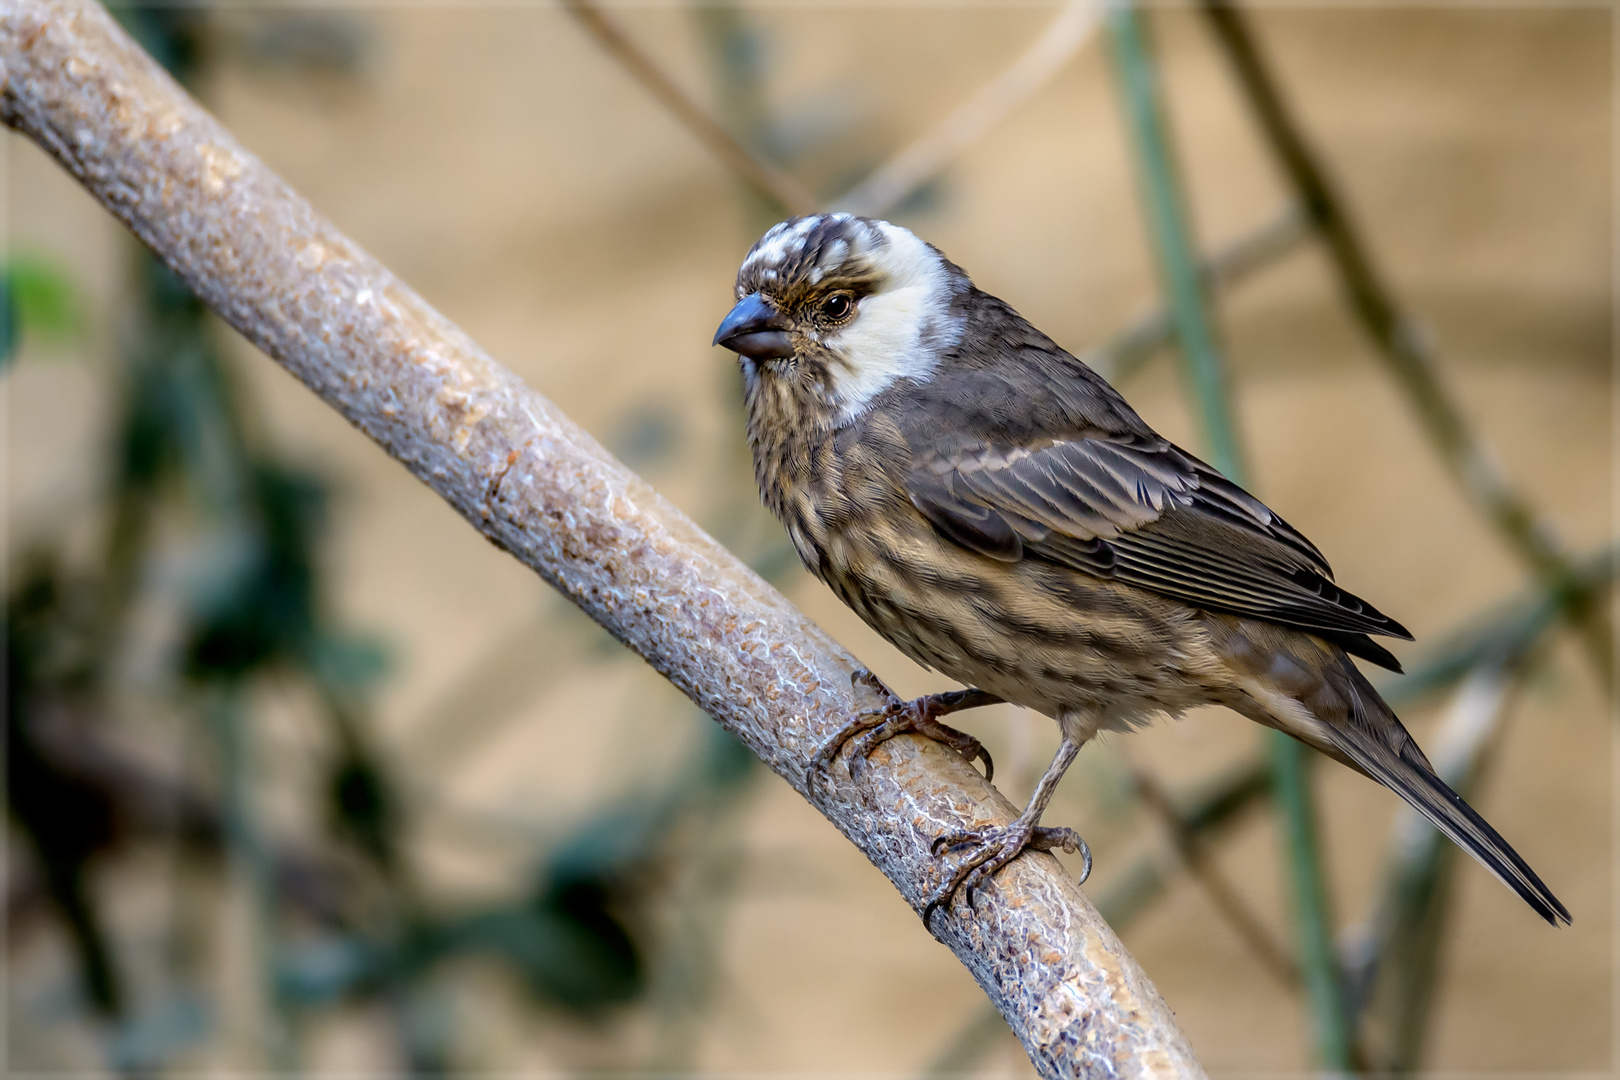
<point>1228,902</point>
<point>896,179</point>
<point>540,488</point>
<point>1404,347</point>
<point>779,187</point>
<point>1393,958</point>
<point>1210,390</point>
<point>899,177</point>
<point>1122,355</point>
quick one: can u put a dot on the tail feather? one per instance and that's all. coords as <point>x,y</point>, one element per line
<point>1397,763</point>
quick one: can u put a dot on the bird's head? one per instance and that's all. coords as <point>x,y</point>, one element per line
<point>832,309</point>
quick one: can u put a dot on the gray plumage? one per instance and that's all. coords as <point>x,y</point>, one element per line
<point>996,510</point>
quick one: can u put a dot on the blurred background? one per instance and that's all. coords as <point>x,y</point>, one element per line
<point>304,777</point>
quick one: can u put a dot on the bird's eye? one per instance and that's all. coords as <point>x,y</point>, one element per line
<point>837,307</point>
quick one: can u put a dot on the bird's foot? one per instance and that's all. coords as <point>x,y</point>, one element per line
<point>994,846</point>
<point>898,717</point>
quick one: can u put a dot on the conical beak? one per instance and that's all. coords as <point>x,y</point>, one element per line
<point>755,330</point>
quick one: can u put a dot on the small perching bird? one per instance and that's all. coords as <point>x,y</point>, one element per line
<point>995,509</point>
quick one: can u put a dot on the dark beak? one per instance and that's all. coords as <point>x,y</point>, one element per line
<point>755,330</point>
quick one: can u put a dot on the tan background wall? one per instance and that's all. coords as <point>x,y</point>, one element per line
<point>524,185</point>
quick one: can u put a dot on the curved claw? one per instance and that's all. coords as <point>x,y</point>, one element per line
<point>932,906</point>
<point>966,746</point>
<point>823,758</point>
<point>967,873</point>
<point>864,676</point>
<point>863,724</point>
<point>857,763</point>
<point>996,847</point>
<point>828,753</point>
<point>897,717</point>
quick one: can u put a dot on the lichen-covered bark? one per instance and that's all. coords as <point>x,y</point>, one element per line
<point>542,489</point>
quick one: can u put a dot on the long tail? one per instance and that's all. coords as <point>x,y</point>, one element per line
<point>1379,744</point>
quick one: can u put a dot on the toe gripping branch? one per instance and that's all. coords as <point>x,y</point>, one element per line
<point>994,846</point>
<point>897,718</point>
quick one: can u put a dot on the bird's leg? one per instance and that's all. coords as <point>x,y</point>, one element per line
<point>994,846</point>
<point>898,717</point>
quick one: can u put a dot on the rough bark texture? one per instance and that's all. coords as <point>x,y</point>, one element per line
<point>542,489</point>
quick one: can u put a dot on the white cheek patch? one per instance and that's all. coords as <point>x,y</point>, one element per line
<point>898,332</point>
<point>882,345</point>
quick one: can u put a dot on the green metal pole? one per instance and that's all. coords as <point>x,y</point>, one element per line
<point>1171,239</point>
<point>1212,393</point>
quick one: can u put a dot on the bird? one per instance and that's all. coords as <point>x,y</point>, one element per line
<point>995,509</point>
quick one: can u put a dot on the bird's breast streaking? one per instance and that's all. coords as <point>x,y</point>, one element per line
<point>996,510</point>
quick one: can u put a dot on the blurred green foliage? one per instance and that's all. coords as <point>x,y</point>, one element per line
<point>37,299</point>
<point>344,915</point>
<point>341,917</point>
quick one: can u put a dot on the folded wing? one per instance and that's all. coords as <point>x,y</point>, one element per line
<point>1135,508</point>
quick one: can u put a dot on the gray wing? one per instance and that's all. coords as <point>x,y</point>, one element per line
<point>1132,507</point>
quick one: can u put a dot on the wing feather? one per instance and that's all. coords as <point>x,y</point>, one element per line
<point>1133,507</point>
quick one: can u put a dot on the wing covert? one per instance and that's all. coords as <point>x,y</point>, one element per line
<point>1137,509</point>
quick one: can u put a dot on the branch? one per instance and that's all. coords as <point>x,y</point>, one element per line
<point>540,488</point>
<point>1228,902</point>
<point>787,193</point>
<point>1121,355</point>
<point>1402,939</point>
<point>1405,348</point>
<point>914,166</point>
<point>149,803</point>
<point>1506,629</point>
<point>1501,636</point>
<point>902,174</point>
<point>1210,388</point>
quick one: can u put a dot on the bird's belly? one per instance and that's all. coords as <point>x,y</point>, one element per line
<point>1035,634</point>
